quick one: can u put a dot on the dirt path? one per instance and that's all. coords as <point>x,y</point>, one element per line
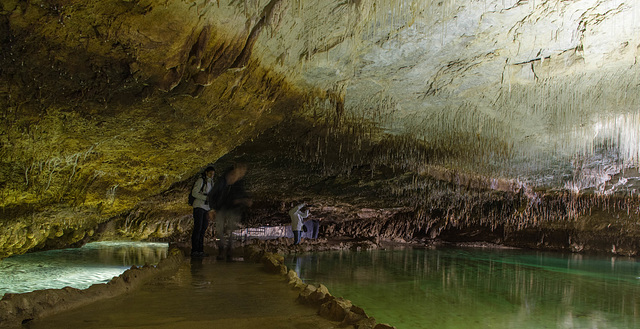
<point>204,293</point>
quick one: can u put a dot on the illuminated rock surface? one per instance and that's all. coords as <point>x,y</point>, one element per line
<point>514,122</point>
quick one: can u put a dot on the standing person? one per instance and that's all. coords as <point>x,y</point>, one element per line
<point>315,228</point>
<point>201,209</point>
<point>296,221</point>
<point>229,199</point>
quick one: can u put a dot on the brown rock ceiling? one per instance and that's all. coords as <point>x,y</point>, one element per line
<point>391,127</point>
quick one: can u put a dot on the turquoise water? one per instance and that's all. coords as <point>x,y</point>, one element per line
<point>96,262</point>
<point>481,288</point>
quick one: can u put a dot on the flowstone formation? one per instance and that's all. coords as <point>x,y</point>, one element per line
<point>510,121</point>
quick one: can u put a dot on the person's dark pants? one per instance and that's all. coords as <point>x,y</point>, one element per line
<point>296,237</point>
<point>200,223</point>
<point>227,221</point>
<point>315,227</point>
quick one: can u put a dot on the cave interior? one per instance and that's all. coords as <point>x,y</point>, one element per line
<point>497,121</point>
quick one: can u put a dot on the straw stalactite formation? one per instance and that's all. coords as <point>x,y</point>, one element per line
<point>503,121</point>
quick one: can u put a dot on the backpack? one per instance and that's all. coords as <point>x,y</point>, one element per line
<point>191,197</point>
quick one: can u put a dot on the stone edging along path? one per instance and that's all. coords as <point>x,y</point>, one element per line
<point>330,307</point>
<point>18,309</point>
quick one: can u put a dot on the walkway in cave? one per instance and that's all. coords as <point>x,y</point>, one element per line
<point>204,293</point>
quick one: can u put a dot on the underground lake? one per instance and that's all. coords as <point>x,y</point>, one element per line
<point>96,262</point>
<point>480,287</point>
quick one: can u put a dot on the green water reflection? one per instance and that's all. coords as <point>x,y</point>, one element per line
<point>478,288</point>
<point>96,262</point>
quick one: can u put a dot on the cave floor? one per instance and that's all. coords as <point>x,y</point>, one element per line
<point>203,293</point>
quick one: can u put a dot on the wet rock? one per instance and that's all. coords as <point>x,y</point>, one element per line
<point>335,309</point>
<point>313,295</point>
<point>292,277</point>
<point>274,263</point>
<point>367,323</point>
<point>356,315</point>
<point>320,295</point>
<point>306,292</point>
<point>295,282</point>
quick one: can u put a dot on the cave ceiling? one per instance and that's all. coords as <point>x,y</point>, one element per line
<point>107,103</point>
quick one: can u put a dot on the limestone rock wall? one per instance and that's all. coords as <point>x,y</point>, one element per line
<point>394,203</point>
<point>106,104</point>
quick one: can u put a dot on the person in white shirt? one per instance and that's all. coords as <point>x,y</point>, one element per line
<point>200,189</point>
<point>297,215</point>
